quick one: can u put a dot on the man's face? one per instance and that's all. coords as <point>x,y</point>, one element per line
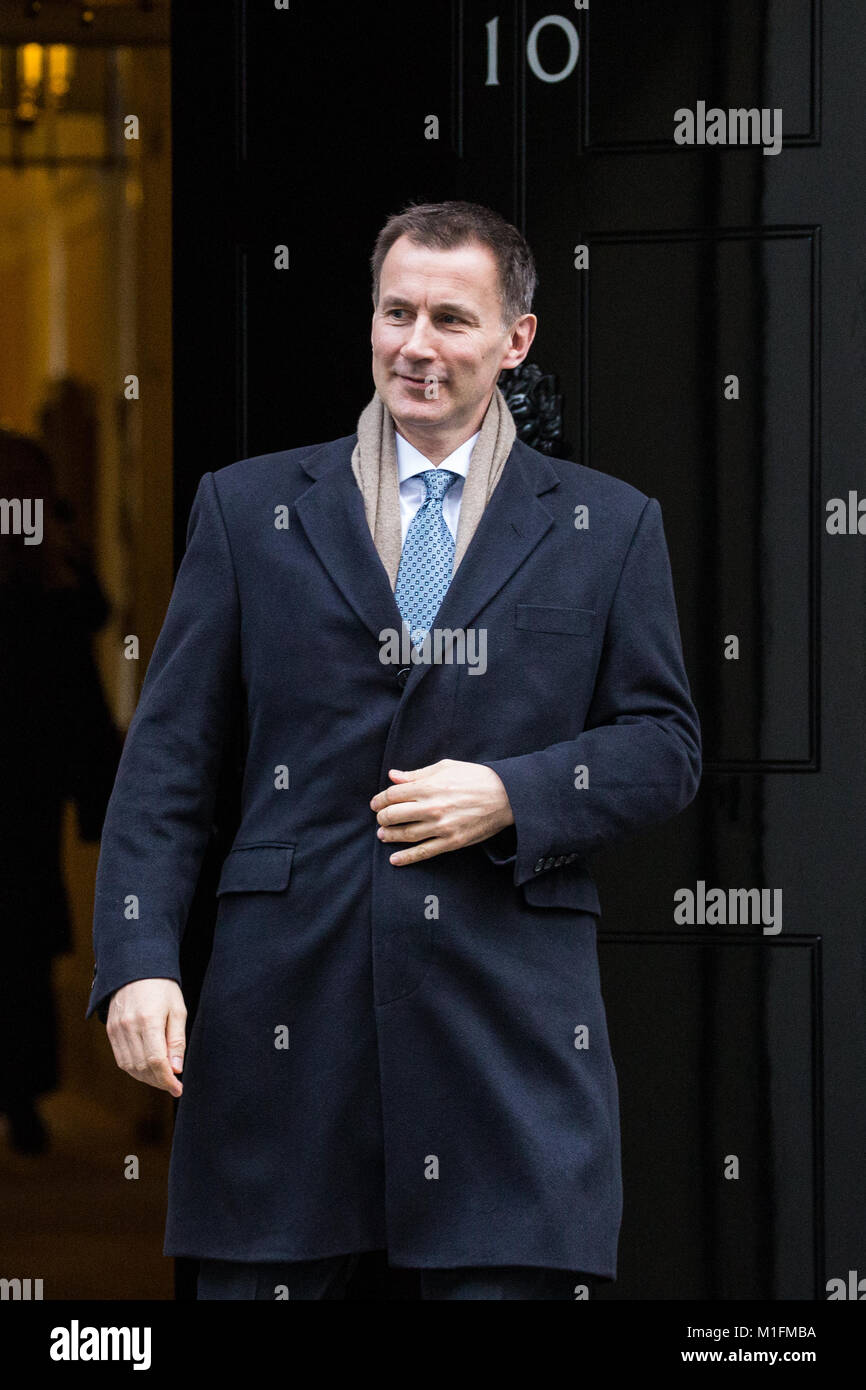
<point>439,316</point>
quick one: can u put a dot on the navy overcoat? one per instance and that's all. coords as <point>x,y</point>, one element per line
<point>413,1058</point>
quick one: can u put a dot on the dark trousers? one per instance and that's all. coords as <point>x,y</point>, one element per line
<point>327,1278</point>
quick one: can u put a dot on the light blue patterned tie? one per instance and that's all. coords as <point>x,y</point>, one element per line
<point>427,559</point>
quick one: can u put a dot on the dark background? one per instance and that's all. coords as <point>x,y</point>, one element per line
<point>306,128</point>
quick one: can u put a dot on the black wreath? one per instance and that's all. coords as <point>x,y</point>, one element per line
<point>535,405</point>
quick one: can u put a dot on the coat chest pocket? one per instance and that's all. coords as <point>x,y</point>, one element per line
<point>261,868</point>
<point>542,617</point>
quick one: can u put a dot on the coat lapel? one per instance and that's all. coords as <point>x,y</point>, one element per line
<point>512,524</point>
<point>332,515</point>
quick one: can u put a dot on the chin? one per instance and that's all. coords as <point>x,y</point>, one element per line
<point>421,411</point>
<point>409,400</point>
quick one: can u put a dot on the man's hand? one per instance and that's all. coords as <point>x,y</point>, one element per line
<point>446,806</point>
<point>145,1024</point>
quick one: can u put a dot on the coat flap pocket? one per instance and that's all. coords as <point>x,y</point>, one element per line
<point>567,886</point>
<point>542,617</point>
<point>264,868</point>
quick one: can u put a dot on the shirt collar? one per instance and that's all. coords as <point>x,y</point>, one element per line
<point>410,461</point>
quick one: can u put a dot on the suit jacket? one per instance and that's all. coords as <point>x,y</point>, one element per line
<point>394,1056</point>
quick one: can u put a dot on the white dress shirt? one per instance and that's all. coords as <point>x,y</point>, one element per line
<point>411,463</point>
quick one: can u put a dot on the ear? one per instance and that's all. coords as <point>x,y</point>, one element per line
<point>522,337</point>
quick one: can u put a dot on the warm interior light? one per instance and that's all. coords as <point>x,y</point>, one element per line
<point>61,63</point>
<point>30,65</point>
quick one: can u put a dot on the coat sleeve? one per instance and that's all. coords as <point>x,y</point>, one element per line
<point>94,743</point>
<point>159,814</point>
<point>641,743</point>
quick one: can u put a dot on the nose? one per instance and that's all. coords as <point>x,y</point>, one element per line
<point>419,344</point>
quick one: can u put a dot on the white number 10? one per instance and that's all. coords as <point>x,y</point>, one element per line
<point>559,22</point>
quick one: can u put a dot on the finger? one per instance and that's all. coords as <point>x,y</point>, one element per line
<point>428,850</point>
<point>401,777</point>
<point>119,1040</point>
<point>412,830</point>
<point>401,811</point>
<point>136,1063</point>
<point>162,1077</point>
<point>404,792</point>
<point>175,1038</point>
<point>152,1059</point>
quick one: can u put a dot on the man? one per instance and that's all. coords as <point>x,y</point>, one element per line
<point>462,674</point>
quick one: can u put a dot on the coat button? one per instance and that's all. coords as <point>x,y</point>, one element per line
<point>539,865</point>
<point>403,676</point>
<point>559,861</point>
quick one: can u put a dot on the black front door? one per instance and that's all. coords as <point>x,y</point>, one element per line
<point>691,180</point>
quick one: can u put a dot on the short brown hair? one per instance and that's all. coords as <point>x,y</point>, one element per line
<point>447,225</point>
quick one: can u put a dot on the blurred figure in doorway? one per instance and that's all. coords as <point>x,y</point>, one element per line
<point>60,743</point>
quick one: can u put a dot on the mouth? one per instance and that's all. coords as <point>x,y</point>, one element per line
<point>416,381</point>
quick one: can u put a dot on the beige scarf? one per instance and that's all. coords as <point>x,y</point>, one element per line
<point>374,464</point>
